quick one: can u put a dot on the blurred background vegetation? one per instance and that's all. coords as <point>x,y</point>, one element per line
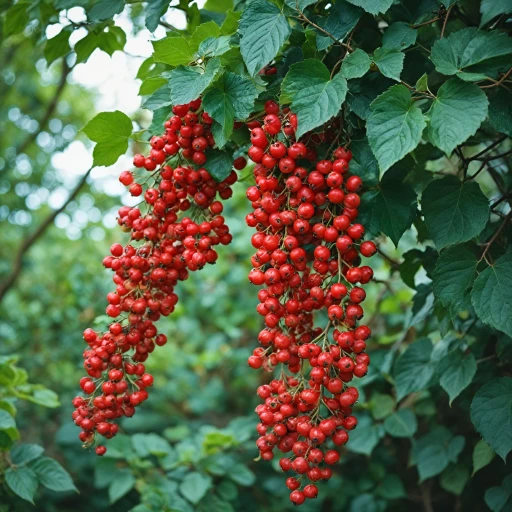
<point>191,447</point>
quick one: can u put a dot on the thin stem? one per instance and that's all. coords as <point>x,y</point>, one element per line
<point>494,144</point>
<point>429,22</point>
<point>446,20</point>
<point>496,234</point>
<point>499,82</point>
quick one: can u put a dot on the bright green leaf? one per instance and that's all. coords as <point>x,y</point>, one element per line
<point>230,24</point>
<point>174,51</point>
<point>483,454</point>
<point>314,97</point>
<point>57,46</point>
<point>355,64</point>
<point>16,19</point>
<point>202,32</point>
<point>390,62</point>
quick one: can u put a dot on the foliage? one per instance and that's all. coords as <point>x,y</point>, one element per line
<point>422,91</point>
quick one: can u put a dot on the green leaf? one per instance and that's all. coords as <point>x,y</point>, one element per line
<point>355,64</point>
<point>57,46</point>
<point>16,19</point>
<point>22,482</point>
<point>151,84</point>
<point>341,20</point>
<point>498,499</point>
<point>219,164</point>
<point>492,295</point>
<point>414,369</point>
<point>154,11</point>
<point>173,50</point>
<point>242,475</point>
<point>491,8</point>
<point>6,420</point>
<point>302,4</point>
<point>194,486</point>
<point>229,98</point>
<point>472,54</point>
<point>202,32</point>
<point>401,424</point>
<point>454,212</point>
<point>390,62</point>
<point>121,485</point>
<point>363,163</point>
<point>373,6</point>
<point>365,437</point>
<point>391,488</point>
<point>455,447</point>
<point>454,478</point>
<point>314,97</point>
<point>230,24</point>
<point>218,5</point>
<point>458,374</point>
<point>432,461</point>
<point>391,208</point>
<point>264,29</point>
<point>454,276</point>
<point>25,453</point>
<point>491,414</point>
<point>482,455</point>
<point>381,405</point>
<point>456,113</point>
<point>105,9</point>
<point>188,83</point>
<point>151,444</point>
<point>500,111</point>
<point>109,42</point>
<point>52,475</point>
<point>422,83</point>
<point>394,127</point>
<point>214,47</point>
<point>363,91</point>
<point>111,131</point>
<point>159,99</point>
<point>399,36</point>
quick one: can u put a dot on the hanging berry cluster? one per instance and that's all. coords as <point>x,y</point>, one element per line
<point>165,246</point>
<point>308,260</point>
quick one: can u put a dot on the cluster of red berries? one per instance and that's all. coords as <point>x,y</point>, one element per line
<point>165,246</point>
<point>308,247</point>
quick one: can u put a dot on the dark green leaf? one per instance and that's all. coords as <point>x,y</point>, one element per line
<point>16,19</point>
<point>395,126</point>
<point>492,8</point>
<point>458,374</point>
<point>151,444</point>
<point>365,437</point>
<point>401,424</point>
<point>390,62</point>
<point>341,20</point>
<point>355,64</point>
<point>500,111</point>
<point>456,113</point>
<point>491,414</point>
<point>454,478</point>
<point>301,4</point>
<point>109,42</point>
<point>154,11</point>
<point>432,461</point>
<point>194,486</point>
<point>121,485</point>
<point>373,6</point>
<point>105,9</point>
<point>242,475</point>
<point>57,46</point>
<point>413,369</point>
<point>498,499</point>
<point>482,455</point>
<point>6,420</point>
<point>399,36</point>
<point>314,97</point>
<point>391,488</point>
<point>362,92</point>
<point>363,163</point>
<point>160,98</point>
<point>454,212</point>
<point>22,481</point>
<point>264,29</point>
<point>25,453</point>
<point>391,208</point>
<point>52,475</point>
<point>492,295</point>
<point>454,276</point>
<point>219,164</point>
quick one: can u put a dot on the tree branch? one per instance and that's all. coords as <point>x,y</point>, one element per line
<point>17,267</point>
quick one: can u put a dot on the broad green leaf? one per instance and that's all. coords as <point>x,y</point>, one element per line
<point>151,84</point>
<point>159,99</point>
<point>390,62</point>
<point>455,447</point>
<point>454,212</point>
<point>230,24</point>
<point>414,369</point>
<point>194,486</point>
<point>355,64</point>
<point>22,482</point>
<point>121,485</point>
<point>399,36</point>
<point>6,420</point>
<point>242,475</point>
<point>373,6</point>
<point>363,163</point>
<point>363,91</point>
<point>381,405</point>
<point>491,414</point>
<point>301,4</point>
<point>111,131</point>
<point>413,260</point>
<point>341,20</point>
<point>219,164</point>
<point>499,499</point>
<point>458,374</point>
<point>52,475</point>
<point>25,453</point>
<point>391,487</point>
<point>391,208</point>
<point>263,29</point>
<point>105,9</point>
<point>456,113</point>
<point>174,51</point>
<point>472,54</point>
<point>16,19</point>
<point>214,47</point>
<point>57,46</point>
<point>365,437</point>
<point>492,295</point>
<point>188,83</point>
<point>431,461</point>
<point>154,11</point>
<point>401,424</point>
<point>110,41</point>
<point>454,276</point>
<point>218,5</point>
<point>151,444</point>
<point>422,83</point>
<point>454,478</point>
<point>120,447</point>
<point>202,32</point>
<point>394,127</point>
<point>313,96</point>
<point>492,8</point>
<point>229,98</point>
<point>500,111</point>
<point>482,455</point>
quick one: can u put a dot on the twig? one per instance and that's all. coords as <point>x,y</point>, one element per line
<point>495,157</point>
<point>427,498</point>
<point>11,278</point>
<point>394,263</point>
<point>494,144</point>
<point>496,234</point>
<point>447,15</point>
<point>429,22</point>
<point>499,82</point>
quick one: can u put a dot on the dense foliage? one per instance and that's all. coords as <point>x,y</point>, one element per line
<point>420,92</point>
